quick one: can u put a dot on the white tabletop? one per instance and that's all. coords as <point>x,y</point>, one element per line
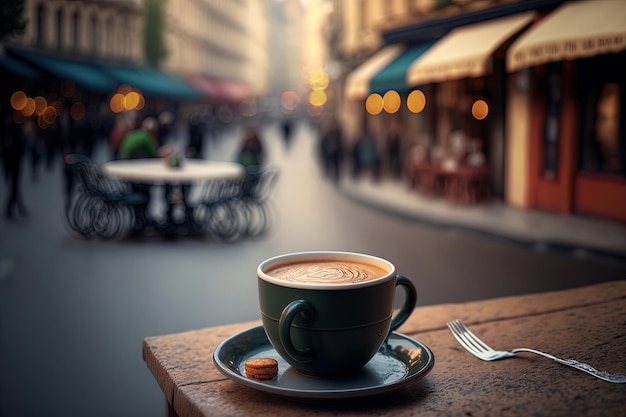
<point>157,171</point>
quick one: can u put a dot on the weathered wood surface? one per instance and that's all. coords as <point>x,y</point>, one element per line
<point>587,323</point>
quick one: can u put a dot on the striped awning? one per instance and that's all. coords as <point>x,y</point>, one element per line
<point>466,51</point>
<point>393,76</point>
<point>579,29</point>
<point>357,84</point>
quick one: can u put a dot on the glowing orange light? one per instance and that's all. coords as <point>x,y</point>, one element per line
<point>29,108</point>
<point>117,103</point>
<point>49,115</point>
<point>480,109</point>
<point>18,100</point>
<point>130,100</point>
<point>416,101</point>
<point>374,103</point>
<point>77,111</point>
<point>40,104</point>
<point>391,101</point>
<point>124,89</point>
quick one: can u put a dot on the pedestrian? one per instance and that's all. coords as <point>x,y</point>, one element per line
<point>366,156</point>
<point>331,149</point>
<point>123,124</point>
<point>196,137</point>
<point>393,152</point>
<point>166,123</point>
<point>35,144</point>
<point>287,131</point>
<point>251,154</point>
<point>142,143</point>
<point>13,149</point>
<point>252,157</point>
<point>80,140</point>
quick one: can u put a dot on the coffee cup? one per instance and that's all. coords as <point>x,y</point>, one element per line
<point>327,313</point>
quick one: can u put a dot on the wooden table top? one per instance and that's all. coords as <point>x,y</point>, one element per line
<point>587,323</point>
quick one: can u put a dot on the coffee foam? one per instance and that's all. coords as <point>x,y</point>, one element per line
<point>327,272</point>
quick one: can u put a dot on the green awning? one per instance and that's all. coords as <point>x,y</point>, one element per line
<point>393,76</point>
<point>84,74</point>
<point>19,67</point>
<point>153,83</point>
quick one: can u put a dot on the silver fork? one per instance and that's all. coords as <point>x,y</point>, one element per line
<point>481,350</point>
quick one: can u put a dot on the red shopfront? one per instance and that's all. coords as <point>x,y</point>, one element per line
<point>577,137</point>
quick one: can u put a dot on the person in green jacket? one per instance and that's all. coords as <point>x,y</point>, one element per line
<point>142,143</point>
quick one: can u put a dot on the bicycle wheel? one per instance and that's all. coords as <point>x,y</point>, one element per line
<point>83,215</point>
<point>256,218</point>
<point>224,220</point>
<point>107,219</point>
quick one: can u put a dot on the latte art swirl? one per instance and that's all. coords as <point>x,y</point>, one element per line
<point>327,272</point>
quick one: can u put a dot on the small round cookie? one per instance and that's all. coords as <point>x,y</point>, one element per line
<point>261,368</point>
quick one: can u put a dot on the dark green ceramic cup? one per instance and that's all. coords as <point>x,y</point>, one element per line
<point>329,328</point>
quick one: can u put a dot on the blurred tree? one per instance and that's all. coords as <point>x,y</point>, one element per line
<point>12,21</point>
<point>153,32</point>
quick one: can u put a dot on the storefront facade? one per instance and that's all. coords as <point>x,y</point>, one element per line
<point>576,135</point>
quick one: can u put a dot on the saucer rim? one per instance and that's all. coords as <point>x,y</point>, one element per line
<point>320,394</point>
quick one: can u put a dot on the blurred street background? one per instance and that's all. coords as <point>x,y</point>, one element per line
<point>493,169</point>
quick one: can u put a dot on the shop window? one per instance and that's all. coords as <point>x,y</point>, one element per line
<point>606,126</point>
<point>552,124</point>
<point>603,138</point>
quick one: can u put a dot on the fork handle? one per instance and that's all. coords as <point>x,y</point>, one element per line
<point>618,379</point>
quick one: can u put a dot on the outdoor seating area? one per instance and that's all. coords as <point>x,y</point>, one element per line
<point>224,207</point>
<point>460,175</point>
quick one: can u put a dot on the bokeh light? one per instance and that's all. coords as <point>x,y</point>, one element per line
<point>29,108</point>
<point>289,100</point>
<point>248,108</point>
<point>77,111</point>
<point>318,79</point>
<point>49,115</point>
<point>317,98</point>
<point>392,101</point>
<point>18,100</point>
<point>480,109</point>
<point>130,100</point>
<point>117,103</point>
<point>416,101</point>
<point>374,103</point>
<point>40,104</point>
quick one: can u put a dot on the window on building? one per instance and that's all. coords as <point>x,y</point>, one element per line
<point>40,35</point>
<point>76,31</point>
<point>110,36</point>
<point>94,34</point>
<point>60,28</point>
<point>603,134</point>
<point>552,123</point>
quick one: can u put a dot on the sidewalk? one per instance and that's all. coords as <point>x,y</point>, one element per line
<point>539,230</point>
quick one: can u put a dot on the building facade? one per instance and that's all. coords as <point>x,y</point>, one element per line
<point>216,39</point>
<point>538,117</point>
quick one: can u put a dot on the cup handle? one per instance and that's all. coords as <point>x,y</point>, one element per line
<point>288,315</point>
<point>409,302</point>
